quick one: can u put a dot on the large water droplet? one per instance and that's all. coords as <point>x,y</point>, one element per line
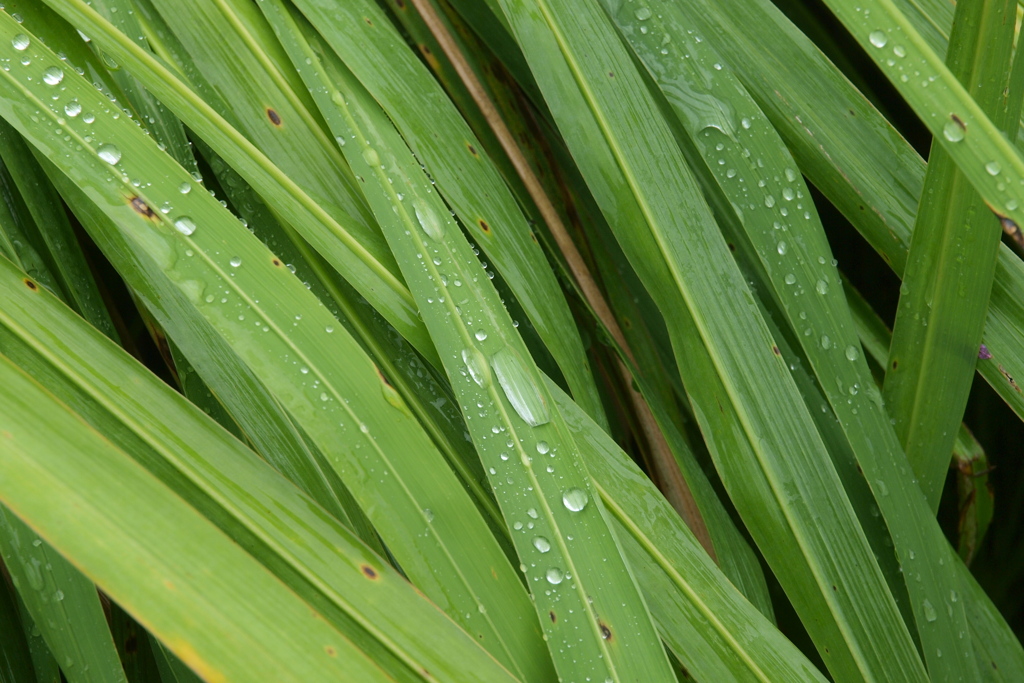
<point>20,42</point>
<point>73,108</point>
<point>429,220</point>
<point>878,38</point>
<point>929,610</point>
<point>852,353</point>
<point>185,225</point>
<point>109,153</point>
<point>643,14</point>
<point>235,262</point>
<point>543,448</point>
<point>822,287</point>
<point>53,75</point>
<point>575,499</point>
<point>185,188</point>
<point>480,335</point>
<point>790,279</point>
<point>993,167</point>
<point>555,576</point>
<point>769,201</point>
<point>953,131</point>
<point>476,364</point>
<point>520,388</point>
<point>541,544</point>
<point>371,157</point>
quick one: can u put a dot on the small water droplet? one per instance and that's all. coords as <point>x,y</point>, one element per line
<point>993,168</point>
<point>929,610</point>
<point>899,51</point>
<point>185,188</point>
<point>643,14</point>
<point>826,343</point>
<point>788,194</point>
<point>790,279</point>
<point>480,335</point>
<point>745,122</point>
<point>109,153</point>
<point>575,499</point>
<point>235,262</point>
<point>428,218</point>
<point>852,353</point>
<point>822,287</point>
<point>73,108</point>
<point>371,157</point>
<point>541,544</point>
<point>429,514</point>
<point>53,75</point>
<point>186,226</point>
<point>878,38</point>
<point>555,576</point>
<point>781,247</point>
<point>543,448</point>
<point>952,131</point>
<point>769,201</point>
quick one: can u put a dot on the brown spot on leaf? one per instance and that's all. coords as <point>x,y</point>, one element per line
<point>382,377</point>
<point>368,21</point>
<point>895,364</point>
<point>369,572</point>
<point>1009,379</point>
<point>331,652</point>
<point>732,247</point>
<point>472,150</point>
<point>551,615</point>
<point>141,207</point>
<point>775,350</point>
<point>611,74</point>
<point>485,226</point>
<point>276,262</point>
<point>274,117</point>
<point>606,632</point>
<point>31,285</point>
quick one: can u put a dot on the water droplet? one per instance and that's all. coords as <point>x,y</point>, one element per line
<point>185,188</point>
<point>575,499</point>
<point>476,364</point>
<point>543,448</point>
<point>235,262</point>
<point>852,353</point>
<point>73,108</point>
<point>745,122</point>
<point>781,248</point>
<point>1011,205</point>
<point>769,201</point>
<point>53,75</point>
<point>20,42</point>
<point>429,514</point>
<point>185,225</point>
<point>554,576</point>
<point>371,157</point>
<point>790,279</point>
<point>899,51</point>
<point>993,167</point>
<point>883,490</point>
<point>953,597</point>
<point>520,388</point>
<point>429,220</point>
<point>541,544</point>
<point>953,132</point>
<point>822,287</point>
<point>109,153</point>
<point>826,343</point>
<point>643,14</point>
<point>790,175</point>
<point>58,596</point>
<point>878,38</point>
<point>929,610</point>
<point>480,335</point>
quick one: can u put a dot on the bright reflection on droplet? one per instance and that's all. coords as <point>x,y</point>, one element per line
<point>53,75</point>
<point>852,353</point>
<point>20,42</point>
<point>555,576</point>
<point>953,131</point>
<point>73,108</point>
<point>993,167</point>
<point>185,225</point>
<point>541,544</point>
<point>235,262</point>
<point>575,499</point>
<point>878,38</point>
<point>109,153</point>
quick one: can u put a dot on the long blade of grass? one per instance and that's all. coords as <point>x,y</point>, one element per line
<point>219,274</point>
<point>198,591</point>
<point>64,605</point>
<point>334,240</point>
<point>756,174</point>
<point>15,662</point>
<point>582,67</point>
<point>595,621</point>
<point>318,560</point>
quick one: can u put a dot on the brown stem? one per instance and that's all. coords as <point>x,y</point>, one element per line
<point>667,472</point>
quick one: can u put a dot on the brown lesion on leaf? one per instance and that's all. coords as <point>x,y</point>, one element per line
<point>484,226</point>
<point>383,378</point>
<point>369,22</point>
<point>552,617</point>
<point>274,117</point>
<point>331,652</point>
<point>400,4</point>
<point>775,350</point>
<point>369,572</point>
<point>428,55</point>
<point>276,262</point>
<point>140,207</point>
<point>1009,378</point>
<point>30,284</point>
<point>472,150</point>
<point>606,632</point>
